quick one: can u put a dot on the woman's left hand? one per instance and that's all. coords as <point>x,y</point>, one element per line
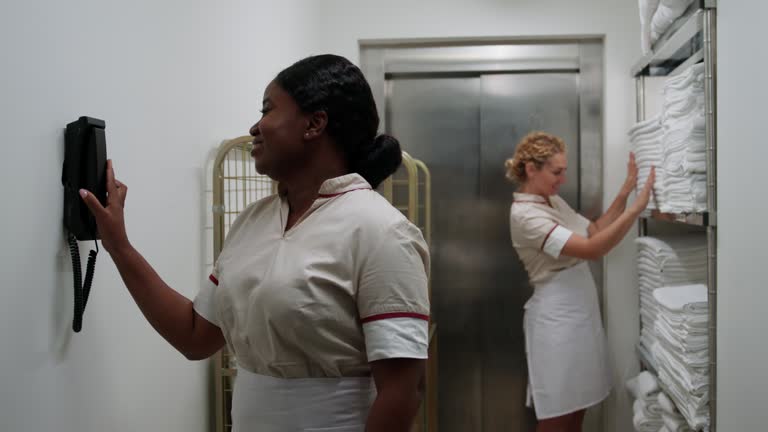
<point>631,182</point>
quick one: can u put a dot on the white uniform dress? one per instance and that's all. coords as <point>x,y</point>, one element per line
<point>306,310</point>
<point>565,342</point>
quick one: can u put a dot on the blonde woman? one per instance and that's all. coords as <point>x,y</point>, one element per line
<point>565,343</point>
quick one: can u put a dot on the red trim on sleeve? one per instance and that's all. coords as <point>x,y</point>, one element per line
<point>384,316</point>
<point>549,234</point>
<point>214,280</point>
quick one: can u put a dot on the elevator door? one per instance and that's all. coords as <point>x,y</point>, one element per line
<point>463,128</point>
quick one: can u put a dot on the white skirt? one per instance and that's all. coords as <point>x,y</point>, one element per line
<point>266,404</point>
<point>565,345</point>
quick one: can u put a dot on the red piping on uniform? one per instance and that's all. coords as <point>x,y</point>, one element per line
<point>549,234</point>
<point>395,315</point>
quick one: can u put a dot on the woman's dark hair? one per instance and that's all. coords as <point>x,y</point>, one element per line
<point>334,85</point>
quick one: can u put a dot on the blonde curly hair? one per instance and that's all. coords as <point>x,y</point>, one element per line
<point>536,147</point>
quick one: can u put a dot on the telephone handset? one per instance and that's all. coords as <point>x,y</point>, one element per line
<point>85,163</point>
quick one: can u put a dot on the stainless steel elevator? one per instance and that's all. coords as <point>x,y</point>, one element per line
<point>460,107</point>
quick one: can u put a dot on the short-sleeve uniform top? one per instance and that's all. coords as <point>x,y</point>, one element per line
<point>540,227</point>
<point>346,285</point>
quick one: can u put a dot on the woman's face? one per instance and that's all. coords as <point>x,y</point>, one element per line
<point>548,179</point>
<point>278,137</point>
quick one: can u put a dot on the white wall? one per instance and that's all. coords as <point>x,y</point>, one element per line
<point>742,282</point>
<point>347,21</point>
<point>171,79</point>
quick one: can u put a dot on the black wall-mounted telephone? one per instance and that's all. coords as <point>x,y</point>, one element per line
<point>85,163</point>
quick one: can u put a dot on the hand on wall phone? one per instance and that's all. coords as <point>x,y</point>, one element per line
<point>110,217</point>
<point>85,153</point>
<point>85,163</point>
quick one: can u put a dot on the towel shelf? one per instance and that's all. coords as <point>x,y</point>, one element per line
<point>703,219</point>
<point>677,45</point>
<point>690,40</point>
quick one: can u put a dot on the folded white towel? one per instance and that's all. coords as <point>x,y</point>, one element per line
<point>644,424</point>
<point>666,404</point>
<point>685,298</point>
<point>693,407</point>
<point>647,384</point>
<point>684,341</point>
<point>681,173</point>
<point>649,407</point>
<point>674,244</point>
<point>662,20</point>
<point>646,342</point>
<point>677,257</point>
<point>690,380</point>
<point>667,250</point>
<point>647,125</point>
<point>691,77</point>
<point>675,422</point>
<point>670,266</point>
<point>686,324</point>
<point>647,9</point>
<point>693,362</point>
<point>643,386</point>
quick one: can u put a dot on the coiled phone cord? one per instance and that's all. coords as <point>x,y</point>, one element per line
<point>82,288</point>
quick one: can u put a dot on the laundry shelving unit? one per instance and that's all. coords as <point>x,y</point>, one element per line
<point>692,39</point>
<point>236,184</point>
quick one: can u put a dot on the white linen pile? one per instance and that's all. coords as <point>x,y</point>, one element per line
<point>664,15</point>
<point>668,261</point>
<point>675,143</point>
<point>645,142</point>
<point>681,349</point>
<point>683,143</point>
<point>647,10</point>
<point>671,417</point>
<point>644,389</point>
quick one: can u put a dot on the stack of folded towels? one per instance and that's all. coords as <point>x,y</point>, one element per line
<point>681,349</point>
<point>647,10</point>
<point>683,143</point>
<point>644,389</point>
<point>670,416</point>
<point>675,143</point>
<point>667,261</point>
<point>645,142</point>
<point>656,17</point>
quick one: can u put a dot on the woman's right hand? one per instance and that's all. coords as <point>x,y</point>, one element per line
<point>110,219</point>
<point>644,196</point>
<point>630,184</point>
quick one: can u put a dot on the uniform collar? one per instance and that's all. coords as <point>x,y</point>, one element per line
<point>529,198</point>
<point>341,185</point>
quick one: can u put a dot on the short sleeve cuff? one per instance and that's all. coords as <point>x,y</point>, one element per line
<point>556,240</point>
<point>204,303</point>
<point>389,338</point>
